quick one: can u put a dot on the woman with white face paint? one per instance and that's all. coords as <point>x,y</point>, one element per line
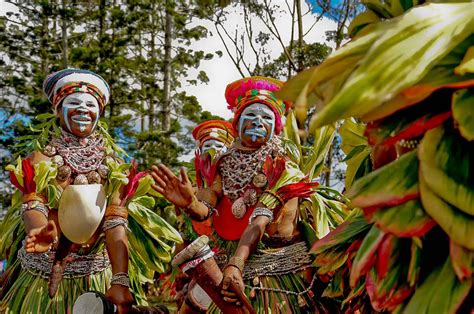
<point>256,190</point>
<point>74,196</point>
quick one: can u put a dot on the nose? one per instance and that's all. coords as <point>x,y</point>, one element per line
<point>82,107</point>
<point>257,122</point>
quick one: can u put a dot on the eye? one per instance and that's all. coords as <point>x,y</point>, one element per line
<point>251,114</point>
<point>74,103</point>
<point>90,105</point>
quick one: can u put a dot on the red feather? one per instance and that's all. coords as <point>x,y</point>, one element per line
<point>273,169</point>
<point>133,179</point>
<point>299,189</point>
<point>29,185</point>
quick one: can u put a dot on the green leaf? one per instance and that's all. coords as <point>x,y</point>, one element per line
<point>463,112</point>
<point>155,226</point>
<point>462,261</point>
<point>446,161</point>
<point>467,64</point>
<point>393,184</point>
<point>441,292</point>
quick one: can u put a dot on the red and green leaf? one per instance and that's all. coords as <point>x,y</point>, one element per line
<point>463,112</point>
<point>365,257</point>
<point>391,185</point>
<point>446,161</point>
<point>462,261</point>
<point>441,292</point>
<point>405,220</point>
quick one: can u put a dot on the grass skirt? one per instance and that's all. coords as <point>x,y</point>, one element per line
<point>28,292</point>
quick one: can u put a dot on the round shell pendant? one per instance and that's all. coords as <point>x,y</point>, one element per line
<point>64,172</point>
<point>93,177</point>
<point>239,208</point>
<point>49,150</point>
<point>259,180</point>
<point>58,160</point>
<point>80,180</point>
<point>250,197</point>
<point>103,171</point>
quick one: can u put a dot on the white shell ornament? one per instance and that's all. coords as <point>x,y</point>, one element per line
<point>239,208</point>
<point>81,209</point>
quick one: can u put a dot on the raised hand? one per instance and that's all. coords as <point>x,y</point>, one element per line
<point>178,191</point>
<point>41,239</point>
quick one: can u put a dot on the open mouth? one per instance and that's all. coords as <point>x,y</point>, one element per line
<point>255,132</point>
<point>82,119</point>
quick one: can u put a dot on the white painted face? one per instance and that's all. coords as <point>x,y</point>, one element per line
<point>218,146</point>
<point>80,113</point>
<point>256,124</point>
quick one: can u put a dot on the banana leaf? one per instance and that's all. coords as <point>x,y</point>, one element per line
<point>446,163</point>
<point>458,225</point>
<point>314,163</point>
<point>155,226</point>
<point>345,233</point>
<point>365,257</point>
<point>462,261</point>
<point>147,249</point>
<point>291,132</point>
<point>330,260</point>
<point>361,21</point>
<point>405,220</point>
<point>441,76</point>
<point>441,292</point>
<point>463,112</point>
<point>391,185</point>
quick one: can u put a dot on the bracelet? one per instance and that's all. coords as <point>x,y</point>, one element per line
<point>274,195</point>
<point>115,210</point>
<point>261,211</point>
<point>236,261</point>
<point>33,197</point>
<point>194,204</point>
<point>35,205</point>
<point>120,279</point>
<point>212,210</point>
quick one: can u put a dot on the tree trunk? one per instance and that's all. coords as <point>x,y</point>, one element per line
<point>64,34</point>
<point>166,119</point>
<point>300,35</point>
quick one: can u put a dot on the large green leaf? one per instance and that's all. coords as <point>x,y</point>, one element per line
<point>393,184</point>
<point>458,225</point>
<point>405,220</point>
<point>463,112</point>
<point>447,164</point>
<point>291,131</point>
<point>398,53</point>
<point>441,292</point>
<point>314,163</point>
<point>443,75</point>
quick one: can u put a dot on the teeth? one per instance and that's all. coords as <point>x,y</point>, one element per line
<point>81,119</point>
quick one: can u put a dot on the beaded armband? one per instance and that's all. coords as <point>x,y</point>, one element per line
<point>261,211</point>
<point>120,279</point>
<point>115,222</point>
<point>116,211</point>
<point>212,210</point>
<point>236,262</point>
<point>33,201</point>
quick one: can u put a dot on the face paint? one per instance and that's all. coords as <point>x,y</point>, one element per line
<point>218,146</point>
<point>79,114</point>
<point>256,124</point>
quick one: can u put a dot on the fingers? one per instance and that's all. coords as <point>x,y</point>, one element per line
<point>166,172</point>
<point>226,283</point>
<point>229,294</point>
<point>157,189</point>
<point>230,300</point>
<point>184,176</point>
<point>158,180</point>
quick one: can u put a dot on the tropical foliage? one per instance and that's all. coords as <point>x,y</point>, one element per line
<point>408,73</point>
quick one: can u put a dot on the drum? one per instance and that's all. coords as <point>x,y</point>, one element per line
<point>197,261</point>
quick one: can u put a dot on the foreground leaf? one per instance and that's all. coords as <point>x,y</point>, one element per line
<point>463,112</point>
